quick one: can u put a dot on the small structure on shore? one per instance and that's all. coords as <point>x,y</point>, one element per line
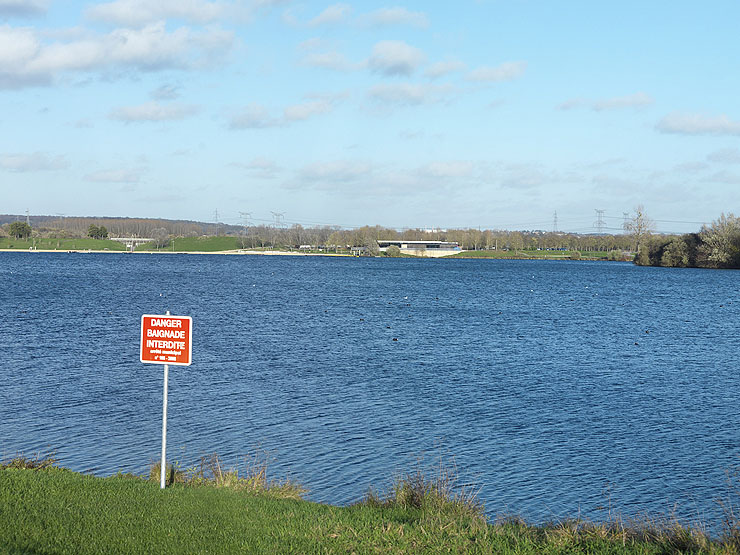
<point>422,248</point>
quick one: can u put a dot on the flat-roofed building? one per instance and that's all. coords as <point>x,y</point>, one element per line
<point>422,248</point>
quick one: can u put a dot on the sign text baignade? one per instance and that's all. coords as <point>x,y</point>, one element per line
<point>166,340</point>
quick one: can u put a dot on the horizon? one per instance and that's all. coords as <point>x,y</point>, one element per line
<point>288,225</point>
<point>482,114</point>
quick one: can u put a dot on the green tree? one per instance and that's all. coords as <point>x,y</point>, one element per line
<point>393,251</point>
<point>676,254</point>
<point>721,242</point>
<point>20,230</point>
<point>97,232</point>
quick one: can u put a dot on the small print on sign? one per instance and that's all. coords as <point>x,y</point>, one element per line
<point>166,339</point>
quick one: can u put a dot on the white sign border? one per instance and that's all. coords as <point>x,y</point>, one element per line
<point>190,340</point>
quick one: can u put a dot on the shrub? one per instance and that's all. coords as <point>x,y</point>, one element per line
<point>210,471</point>
<point>38,462</point>
<point>393,251</point>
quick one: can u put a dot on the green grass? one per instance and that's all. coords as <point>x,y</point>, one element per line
<point>196,244</point>
<point>51,243</point>
<point>44,509</point>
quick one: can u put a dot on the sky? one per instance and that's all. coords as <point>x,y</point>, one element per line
<point>498,114</point>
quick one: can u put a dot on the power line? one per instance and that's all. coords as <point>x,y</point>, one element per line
<point>278,218</point>
<point>599,224</point>
<point>580,226</point>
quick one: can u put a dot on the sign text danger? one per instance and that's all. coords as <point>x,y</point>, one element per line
<point>166,339</point>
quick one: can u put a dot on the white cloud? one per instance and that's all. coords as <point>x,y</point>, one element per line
<point>507,71</point>
<point>698,124</point>
<point>408,94</point>
<point>260,167</point>
<point>314,43</point>
<point>329,60</point>
<point>725,156</point>
<point>615,185</point>
<point>303,111</point>
<point>333,14</point>
<point>438,69</point>
<point>725,177</point>
<point>637,100</point>
<point>166,92</point>
<point>394,57</point>
<point>450,169</point>
<point>573,103</point>
<point>153,111</point>
<point>396,16</point>
<point>113,176</point>
<point>26,59</point>
<point>23,8</point>
<point>524,176</point>
<point>138,13</point>
<point>254,116</point>
<point>33,162</point>
<point>691,167</point>
<point>342,171</point>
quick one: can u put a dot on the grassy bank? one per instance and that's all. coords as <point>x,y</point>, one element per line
<point>196,244</point>
<point>53,243</point>
<point>51,510</point>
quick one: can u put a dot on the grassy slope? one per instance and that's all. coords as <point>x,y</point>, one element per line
<point>59,511</point>
<point>197,244</point>
<point>61,244</point>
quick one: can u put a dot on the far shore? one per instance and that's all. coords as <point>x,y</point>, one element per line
<point>239,251</point>
<point>460,254</point>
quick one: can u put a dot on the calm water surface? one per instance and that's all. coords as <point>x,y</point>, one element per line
<point>560,387</point>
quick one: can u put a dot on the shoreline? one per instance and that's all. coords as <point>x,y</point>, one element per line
<point>230,252</point>
<point>239,252</point>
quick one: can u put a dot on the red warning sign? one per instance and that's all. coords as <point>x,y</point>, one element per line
<point>166,339</point>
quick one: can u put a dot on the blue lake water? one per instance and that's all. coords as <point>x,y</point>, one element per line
<point>559,387</point>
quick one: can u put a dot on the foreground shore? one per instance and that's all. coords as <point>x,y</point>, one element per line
<point>53,510</point>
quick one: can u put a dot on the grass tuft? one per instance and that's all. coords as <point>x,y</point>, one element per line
<point>731,520</point>
<point>437,491</point>
<point>38,462</point>
<point>250,476</point>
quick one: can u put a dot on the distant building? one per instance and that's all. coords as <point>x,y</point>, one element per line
<point>422,248</point>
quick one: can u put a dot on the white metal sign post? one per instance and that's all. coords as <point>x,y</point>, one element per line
<point>166,340</point>
<point>163,460</point>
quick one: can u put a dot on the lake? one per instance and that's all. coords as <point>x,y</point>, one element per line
<point>561,388</point>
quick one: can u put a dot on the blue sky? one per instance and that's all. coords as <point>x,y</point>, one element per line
<point>492,114</point>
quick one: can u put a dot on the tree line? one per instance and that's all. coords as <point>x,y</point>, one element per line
<point>79,227</point>
<point>715,246</point>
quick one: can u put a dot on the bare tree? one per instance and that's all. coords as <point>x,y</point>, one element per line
<point>161,237</point>
<point>640,227</point>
